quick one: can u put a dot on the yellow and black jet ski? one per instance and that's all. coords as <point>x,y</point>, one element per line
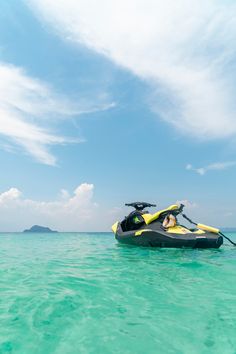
<point>162,229</point>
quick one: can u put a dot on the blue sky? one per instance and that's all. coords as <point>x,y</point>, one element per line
<point>98,108</point>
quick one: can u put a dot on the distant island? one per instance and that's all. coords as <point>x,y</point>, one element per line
<point>42,229</point>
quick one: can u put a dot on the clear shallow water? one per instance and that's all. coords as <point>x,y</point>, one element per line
<point>84,293</point>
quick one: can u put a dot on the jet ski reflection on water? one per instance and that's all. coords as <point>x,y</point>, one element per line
<point>162,229</point>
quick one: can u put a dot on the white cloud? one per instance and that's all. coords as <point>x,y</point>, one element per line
<point>188,204</point>
<point>64,194</point>
<point>80,212</point>
<point>183,48</point>
<point>27,105</point>
<point>11,195</point>
<point>217,166</point>
<point>73,213</point>
<point>228,213</point>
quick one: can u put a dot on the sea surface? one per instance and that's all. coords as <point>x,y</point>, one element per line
<point>84,293</point>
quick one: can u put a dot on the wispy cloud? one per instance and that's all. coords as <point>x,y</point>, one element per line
<point>70,212</point>
<point>77,211</point>
<point>183,48</point>
<point>217,166</point>
<point>187,203</point>
<point>27,108</point>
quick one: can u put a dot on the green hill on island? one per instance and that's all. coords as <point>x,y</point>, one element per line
<point>42,229</point>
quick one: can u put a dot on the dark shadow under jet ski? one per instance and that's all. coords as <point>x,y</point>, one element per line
<point>162,229</point>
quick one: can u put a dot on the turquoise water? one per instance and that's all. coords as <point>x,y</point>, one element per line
<point>84,293</point>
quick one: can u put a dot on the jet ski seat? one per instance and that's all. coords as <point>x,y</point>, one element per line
<point>149,218</point>
<point>137,217</point>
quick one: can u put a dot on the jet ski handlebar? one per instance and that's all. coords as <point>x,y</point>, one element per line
<point>140,205</point>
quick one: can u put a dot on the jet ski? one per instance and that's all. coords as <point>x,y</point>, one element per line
<point>162,229</point>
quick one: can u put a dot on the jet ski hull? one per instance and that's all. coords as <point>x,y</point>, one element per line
<point>161,238</point>
<point>162,229</point>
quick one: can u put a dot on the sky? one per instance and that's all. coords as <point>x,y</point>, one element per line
<point>104,103</point>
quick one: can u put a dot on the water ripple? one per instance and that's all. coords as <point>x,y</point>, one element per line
<point>84,293</point>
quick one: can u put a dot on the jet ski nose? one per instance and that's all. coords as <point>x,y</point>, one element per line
<point>206,242</point>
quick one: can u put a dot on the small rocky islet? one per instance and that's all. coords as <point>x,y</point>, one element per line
<point>40,229</point>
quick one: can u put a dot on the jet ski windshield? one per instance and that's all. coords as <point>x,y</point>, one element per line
<point>135,220</point>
